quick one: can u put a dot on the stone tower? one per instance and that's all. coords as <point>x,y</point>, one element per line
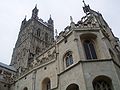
<point>85,56</point>
<point>35,36</point>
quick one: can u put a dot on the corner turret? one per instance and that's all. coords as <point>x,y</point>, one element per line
<point>51,23</point>
<point>35,13</point>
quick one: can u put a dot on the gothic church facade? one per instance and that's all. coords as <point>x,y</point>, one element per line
<point>85,56</point>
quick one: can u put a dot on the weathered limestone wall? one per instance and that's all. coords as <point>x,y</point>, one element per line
<point>105,68</point>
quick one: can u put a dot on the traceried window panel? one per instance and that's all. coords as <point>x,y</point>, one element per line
<point>102,83</point>
<point>89,49</point>
<point>46,84</point>
<point>68,58</point>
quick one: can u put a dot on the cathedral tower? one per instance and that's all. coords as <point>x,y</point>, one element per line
<point>35,36</point>
<point>85,56</point>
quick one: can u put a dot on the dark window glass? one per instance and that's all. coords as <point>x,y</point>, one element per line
<point>48,85</point>
<point>89,50</point>
<point>68,58</point>
<point>38,32</point>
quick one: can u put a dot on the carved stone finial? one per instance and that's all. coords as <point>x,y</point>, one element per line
<point>71,19</point>
<point>86,8</point>
<point>36,5</point>
<point>25,16</point>
<point>72,24</point>
<point>56,32</point>
<point>24,21</point>
<point>84,3</point>
<point>50,21</point>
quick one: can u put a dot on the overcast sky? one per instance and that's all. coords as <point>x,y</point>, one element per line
<point>12,12</point>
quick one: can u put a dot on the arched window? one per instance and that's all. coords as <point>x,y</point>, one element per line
<point>89,49</point>
<point>38,32</point>
<point>73,87</point>
<point>68,58</point>
<point>102,83</point>
<point>25,88</point>
<point>46,84</point>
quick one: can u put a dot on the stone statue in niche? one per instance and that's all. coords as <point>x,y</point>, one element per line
<point>34,63</point>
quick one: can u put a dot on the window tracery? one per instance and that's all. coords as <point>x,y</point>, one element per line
<point>89,49</point>
<point>102,83</point>
<point>68,58</point>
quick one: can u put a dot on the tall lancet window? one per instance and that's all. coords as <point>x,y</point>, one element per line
<point>89,49</point>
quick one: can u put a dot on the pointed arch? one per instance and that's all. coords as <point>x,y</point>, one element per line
<point>89,41</point>
<point>46,84</point>
<point>68,58</point>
